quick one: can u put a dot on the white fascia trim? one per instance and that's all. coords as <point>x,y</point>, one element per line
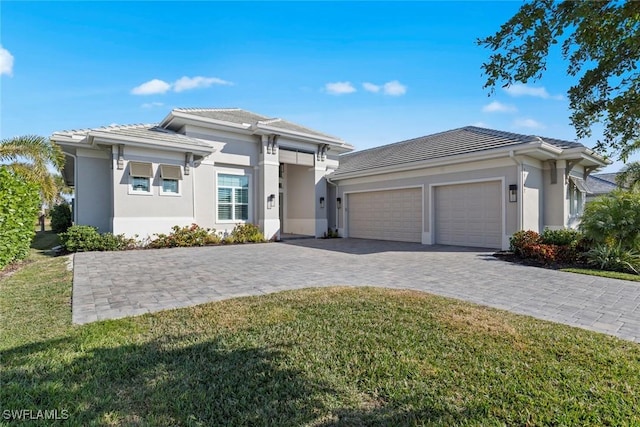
<point>200,119</point>
<point>304,136</point>
<point>146,143</point>
<point>585,154</point>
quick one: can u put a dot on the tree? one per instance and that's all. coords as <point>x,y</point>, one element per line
<point>30,157</point>
<point>601,42</point>
<point>629,176</point>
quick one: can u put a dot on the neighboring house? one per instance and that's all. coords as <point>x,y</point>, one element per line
<point>213,167</point>
<point>470,186</point>
<point>601,184</point>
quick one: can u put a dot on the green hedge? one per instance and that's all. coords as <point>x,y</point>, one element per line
<point>19,207</point>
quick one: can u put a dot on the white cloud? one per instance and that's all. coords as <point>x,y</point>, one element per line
<point>339,88</point>
<point>528,123</point>
<point>370,87</point>
<point>188,83</point>
<point>6,62</point>
<point>394,88</point>
<point>156,86</point>
<point>151,87</point>
<point>518,89</point>
<point>498,107</point>
<point>152,104</point>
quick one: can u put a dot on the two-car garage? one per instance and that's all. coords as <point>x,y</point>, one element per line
<point>468,214</point>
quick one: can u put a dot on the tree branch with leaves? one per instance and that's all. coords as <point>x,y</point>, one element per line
<point>600,40</point>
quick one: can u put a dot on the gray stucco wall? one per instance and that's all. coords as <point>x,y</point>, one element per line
<point>93,193</point>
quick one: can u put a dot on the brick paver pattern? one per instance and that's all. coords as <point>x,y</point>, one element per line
<point>109,285</point>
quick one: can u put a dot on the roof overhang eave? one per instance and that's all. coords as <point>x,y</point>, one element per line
<point>184,118</point>
<point>104,138</point>
<point>587,156</point>
<point>262,129</point>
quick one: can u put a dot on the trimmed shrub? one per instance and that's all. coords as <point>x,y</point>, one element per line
<point>246,233</point>
<point>562,237</point>
<point>520,239</point>
<point>19,206</point>
<point>192,235</point>
<point>84,238</point>
<point>60,217</point>
<point>614,258</point>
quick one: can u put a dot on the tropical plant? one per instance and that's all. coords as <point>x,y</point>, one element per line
<point>599,40</point>
<point>614,257</point>
<point>613,219</point>
<point>30,157</point>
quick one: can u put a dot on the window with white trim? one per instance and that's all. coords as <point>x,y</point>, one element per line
<point>170,176</point>
<point>140,175</point>
<point>233,197</point>
<point>576,196</point>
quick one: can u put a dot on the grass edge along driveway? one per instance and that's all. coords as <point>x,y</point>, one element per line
<point>321,357</point>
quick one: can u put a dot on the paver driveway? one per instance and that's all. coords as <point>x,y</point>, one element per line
<point>109,285</point>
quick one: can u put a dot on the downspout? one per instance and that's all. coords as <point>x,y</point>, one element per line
<point>520,165</point>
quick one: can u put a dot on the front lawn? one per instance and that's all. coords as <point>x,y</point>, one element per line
<point>321,357</point>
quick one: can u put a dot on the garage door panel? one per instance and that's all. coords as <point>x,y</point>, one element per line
<point>386,215</point>
<point>469,214</point>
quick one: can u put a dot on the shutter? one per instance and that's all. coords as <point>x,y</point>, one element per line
<point>170,172</point>
<point>144,170</point>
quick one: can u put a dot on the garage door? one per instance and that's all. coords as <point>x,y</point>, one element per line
<point>386,215</point>
<point>469,215</point>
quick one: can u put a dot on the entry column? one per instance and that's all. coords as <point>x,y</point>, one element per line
<point>268,203</point>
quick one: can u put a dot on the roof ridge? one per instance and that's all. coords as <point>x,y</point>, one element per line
<point>207,109</point>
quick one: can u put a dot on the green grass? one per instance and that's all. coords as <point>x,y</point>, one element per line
<point>319,357</point>
<point>604,273</point>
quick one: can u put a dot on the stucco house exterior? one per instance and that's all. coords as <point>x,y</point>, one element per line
<point>213,167</point>
<point>220,167</point>
<point>470,186</point>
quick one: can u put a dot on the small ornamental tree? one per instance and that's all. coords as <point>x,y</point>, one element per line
<point>19,207</point>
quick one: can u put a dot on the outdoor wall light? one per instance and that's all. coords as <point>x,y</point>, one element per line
<point>322,202</point>
<point>339,202</point>
<point>271,201</point>
<point>513,193</point>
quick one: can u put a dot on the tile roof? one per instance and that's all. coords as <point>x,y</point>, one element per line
<point>240,116</point>
<point>602,183</point>
<point>146,131</point>
<point>464,140</point>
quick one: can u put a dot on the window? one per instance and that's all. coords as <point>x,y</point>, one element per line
<point>233,198</point>
<point>170,176</point>
<point>577,190</point>
<point>140,175</point>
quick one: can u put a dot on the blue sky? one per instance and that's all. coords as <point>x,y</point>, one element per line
<point>369,73</point>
